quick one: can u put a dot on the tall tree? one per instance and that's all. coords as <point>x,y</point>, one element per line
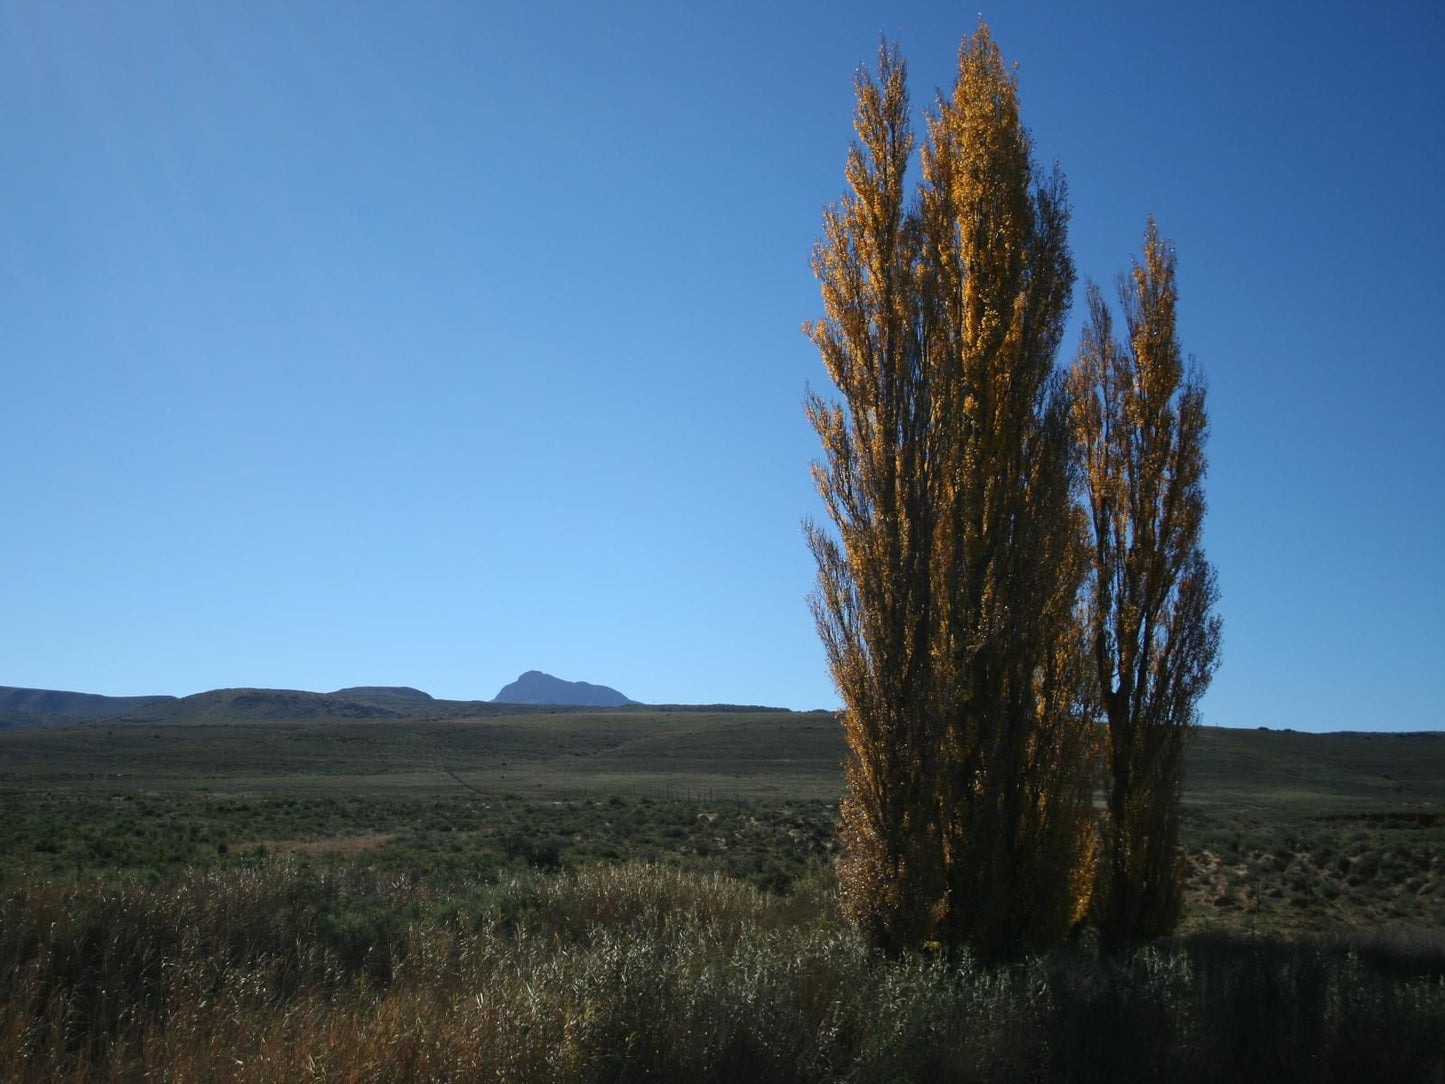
<point>1140,425</point>
<point>874,603</point>
<point>1016,786</point>
<point>946,597</point>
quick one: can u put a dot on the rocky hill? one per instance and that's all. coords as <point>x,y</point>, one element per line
<point>401,699</point>
<point>535,687</point>
<point>53,707</point>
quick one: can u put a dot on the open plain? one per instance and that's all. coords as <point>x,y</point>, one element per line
<point>648,894</point>
<point>1284,830</point>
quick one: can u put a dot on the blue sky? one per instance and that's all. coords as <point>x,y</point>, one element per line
<point>429,343</point>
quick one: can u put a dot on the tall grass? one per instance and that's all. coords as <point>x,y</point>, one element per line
<point>283,973</point>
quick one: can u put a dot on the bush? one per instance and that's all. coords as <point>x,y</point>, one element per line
<point>282,972</point>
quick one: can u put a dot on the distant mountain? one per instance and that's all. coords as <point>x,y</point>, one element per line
<point>532,693</point>
<point>51,707</point>
<point>391,692</point>
<point>401,699</point>
<point>226,705</point>
<point>46,707</point>
<point>535,687</point>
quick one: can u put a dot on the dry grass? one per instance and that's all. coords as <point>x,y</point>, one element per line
<point>280,973</point>
<point>399,939</point>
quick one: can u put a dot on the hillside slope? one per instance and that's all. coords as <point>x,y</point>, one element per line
<point>53,707</point>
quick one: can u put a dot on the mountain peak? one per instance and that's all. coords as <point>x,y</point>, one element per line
<point>535,687</point>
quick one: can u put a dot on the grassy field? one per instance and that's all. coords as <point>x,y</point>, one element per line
<point>1286,832</point>
<point>746,755</point>
<point>617,896</point>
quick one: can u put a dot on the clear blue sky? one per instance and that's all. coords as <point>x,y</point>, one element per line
<point>428,343</point>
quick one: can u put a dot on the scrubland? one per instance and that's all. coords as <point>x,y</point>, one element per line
<point>185,925</point>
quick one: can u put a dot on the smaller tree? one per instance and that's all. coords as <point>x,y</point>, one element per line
<point>1140,426</point>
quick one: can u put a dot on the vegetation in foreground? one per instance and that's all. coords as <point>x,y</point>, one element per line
<point>210,905</point>
<point>280,972</point>
<point>1298,868</point>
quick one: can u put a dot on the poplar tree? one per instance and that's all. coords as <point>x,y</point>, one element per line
<point>883,491</point>
<point>1140,425</point>
<point>1017,786</point>
<point>946,597</point>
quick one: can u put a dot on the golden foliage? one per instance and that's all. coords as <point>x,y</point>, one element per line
<point>946,589</point>
<point>1139,423</point>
